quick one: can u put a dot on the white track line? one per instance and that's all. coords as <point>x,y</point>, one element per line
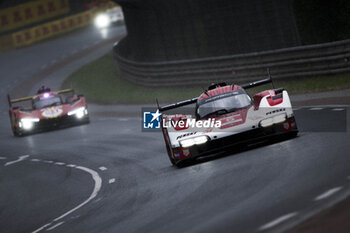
<point>54,226</point>
<point>21,158</point>
<point>315,109</point>
<point>277,221</point>
<point>111,181</point>
<point>59,163</point>
<point>41,228</point>
<point>102,168</point>
<point>47,161</point>
<point>3,158</point>
<point>35,160</point>
<point>98,184</point>
<point>338,109</point>
<point>71,165</point>
<point>327,193</point>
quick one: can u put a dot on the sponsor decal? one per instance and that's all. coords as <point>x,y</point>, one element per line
<point>276,111</point>
<point>286,125</point>
<point>293,125</point>
<point>185,135</point>
<point>186,152</point>
<point>177,154</point>
<point>52,112</point>
<point>231,121</point>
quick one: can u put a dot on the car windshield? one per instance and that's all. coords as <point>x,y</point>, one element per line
<point>223,105</point>
<point>47,102</point>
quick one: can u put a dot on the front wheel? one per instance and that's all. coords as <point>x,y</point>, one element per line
<point>184,163</point>
<point>16,132</point>
<point>169,154</point>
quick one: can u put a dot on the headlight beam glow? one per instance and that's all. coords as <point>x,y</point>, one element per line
<point>28,123</point>
<point>273,120</point>
<point>79,112</point>
<point>194,141</point>
<point>102,21</point>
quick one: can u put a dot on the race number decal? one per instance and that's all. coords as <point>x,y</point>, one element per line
<point>52,112</point>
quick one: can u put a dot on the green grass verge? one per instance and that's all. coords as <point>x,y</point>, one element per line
<point>100,83</point>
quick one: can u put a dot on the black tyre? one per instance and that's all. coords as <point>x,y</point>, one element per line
<point>17,133</point>
<point>169,155</point>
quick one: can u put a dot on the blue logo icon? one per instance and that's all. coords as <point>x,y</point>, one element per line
<point>151,120</point>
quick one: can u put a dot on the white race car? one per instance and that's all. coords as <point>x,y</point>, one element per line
<point>226,117</point>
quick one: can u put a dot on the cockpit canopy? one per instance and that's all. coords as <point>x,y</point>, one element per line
<point>222,104</point>
<point>46,100</point>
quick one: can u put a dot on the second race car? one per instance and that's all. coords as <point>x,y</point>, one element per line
<point>47,110</point>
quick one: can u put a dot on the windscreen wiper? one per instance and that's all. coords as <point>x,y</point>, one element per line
<point>216,113</point>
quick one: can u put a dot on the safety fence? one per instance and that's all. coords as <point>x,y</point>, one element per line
<point>301,61</point>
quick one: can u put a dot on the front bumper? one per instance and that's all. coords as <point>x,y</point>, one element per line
<point>237,141</point>
<point>53,123</point>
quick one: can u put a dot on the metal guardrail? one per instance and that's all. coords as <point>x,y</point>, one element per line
<point>302,61</point>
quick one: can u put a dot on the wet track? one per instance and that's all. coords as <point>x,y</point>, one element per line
<point>109,177</point>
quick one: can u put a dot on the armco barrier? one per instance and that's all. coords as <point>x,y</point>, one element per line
<point>6,43</point>
<point>302,61</point>
<point>43,31</point>
<point>31,12</point>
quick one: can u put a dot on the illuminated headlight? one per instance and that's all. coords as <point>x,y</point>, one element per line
<point>194,141</point>
<point>28,123</point>
<point>102,21</point>
<point>273,120</point>
<point>279,118</point>
<point>79,112</point>
<point>267,122</point>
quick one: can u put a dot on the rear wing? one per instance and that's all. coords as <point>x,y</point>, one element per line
<point>178,104</point>
<point>65,91</point>
<point>194,100</point>
<point>256,83</point>
<point>12,101</point>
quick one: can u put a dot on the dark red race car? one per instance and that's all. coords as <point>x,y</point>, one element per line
<point>47,110</point>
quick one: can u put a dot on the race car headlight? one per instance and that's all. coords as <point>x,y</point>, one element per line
<point>194,141</point>
<point>28,123</point>
<point>273,120</point>
<point>279,118</point>
<point>79,112</point>
<point>102,21</point>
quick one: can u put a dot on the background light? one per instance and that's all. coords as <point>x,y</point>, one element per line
<point>102,21</point>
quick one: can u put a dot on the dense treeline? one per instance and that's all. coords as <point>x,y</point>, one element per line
<point>322,21</point>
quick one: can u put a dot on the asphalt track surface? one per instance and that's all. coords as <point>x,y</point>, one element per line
<point>109,176</point>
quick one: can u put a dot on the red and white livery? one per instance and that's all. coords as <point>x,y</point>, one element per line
<point>47,110</point>
<point>225,116</point>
